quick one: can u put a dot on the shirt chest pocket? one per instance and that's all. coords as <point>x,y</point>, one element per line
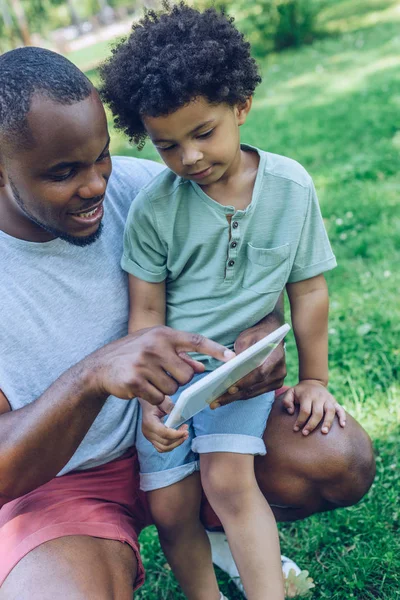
<point>266,269</point>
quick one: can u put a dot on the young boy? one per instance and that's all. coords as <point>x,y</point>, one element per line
<point>209,246</point>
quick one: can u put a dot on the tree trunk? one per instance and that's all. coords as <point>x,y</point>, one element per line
<point>22,22</point>
<point>75,19</point>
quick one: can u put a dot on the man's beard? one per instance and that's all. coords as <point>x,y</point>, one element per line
<point>70,239</point>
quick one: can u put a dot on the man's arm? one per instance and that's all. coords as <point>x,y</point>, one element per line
<point>37,441</point>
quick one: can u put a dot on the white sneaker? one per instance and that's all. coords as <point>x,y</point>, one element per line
<point>222,557</point>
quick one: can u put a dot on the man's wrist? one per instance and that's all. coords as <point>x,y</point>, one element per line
<point>87,380</point>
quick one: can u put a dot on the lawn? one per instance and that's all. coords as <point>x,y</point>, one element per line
<point>334,106</point>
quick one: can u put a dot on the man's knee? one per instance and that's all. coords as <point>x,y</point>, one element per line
<point>316,473</point>
<point>355,466</point>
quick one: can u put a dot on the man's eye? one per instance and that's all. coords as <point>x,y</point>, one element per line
<point>104,156</point>
<point>206,134</point>
<point>62,176</point>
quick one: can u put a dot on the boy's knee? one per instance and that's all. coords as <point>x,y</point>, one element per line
<point>175,506</point>
<point>167,515</point>
<point>225,489</point>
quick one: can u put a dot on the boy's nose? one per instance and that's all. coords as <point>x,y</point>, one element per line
<point>191,156</point>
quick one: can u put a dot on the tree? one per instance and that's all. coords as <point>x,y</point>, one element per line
<point>23,28</point>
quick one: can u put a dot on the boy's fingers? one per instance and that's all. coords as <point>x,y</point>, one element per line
<point>314,420</point>
<point>328,419</point>
<point>167,447</point>
<point>305,411</point>
<point>158,431</point>
<point>288,401</point>
<point>341,413</point>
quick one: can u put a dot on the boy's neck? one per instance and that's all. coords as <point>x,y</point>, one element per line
<point>236,187</point>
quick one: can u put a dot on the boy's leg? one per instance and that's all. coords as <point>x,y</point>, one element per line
<point>248,522</point>
<point>176,513</point>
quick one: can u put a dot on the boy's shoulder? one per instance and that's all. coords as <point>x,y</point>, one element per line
<point>164,185</point>
<point>286,169</point>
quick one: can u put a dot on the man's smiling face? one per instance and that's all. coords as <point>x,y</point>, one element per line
<point>56,186</point>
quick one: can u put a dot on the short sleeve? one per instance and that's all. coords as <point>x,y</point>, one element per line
<point>314,253</point>
<point>144,254</point>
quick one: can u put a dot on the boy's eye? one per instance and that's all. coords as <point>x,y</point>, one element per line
<point>206,134</point>
<point>164,148</point>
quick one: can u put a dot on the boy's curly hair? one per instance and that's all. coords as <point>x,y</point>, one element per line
<point>172,57</point>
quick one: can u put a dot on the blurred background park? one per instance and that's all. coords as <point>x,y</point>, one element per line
<point>330,98</point>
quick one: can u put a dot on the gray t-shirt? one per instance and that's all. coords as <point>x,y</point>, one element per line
<point>61,302</point>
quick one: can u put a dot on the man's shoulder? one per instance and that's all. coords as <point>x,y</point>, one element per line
<point>132,174</point>
<point>286,169</point>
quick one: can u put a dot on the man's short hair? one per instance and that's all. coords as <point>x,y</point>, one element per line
<point>26,72</point>
<point>172,57</point>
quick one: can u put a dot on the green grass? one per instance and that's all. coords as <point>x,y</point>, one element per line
<point>334,106</point>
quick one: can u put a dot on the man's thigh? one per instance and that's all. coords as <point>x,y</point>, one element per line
<point>73,568</point>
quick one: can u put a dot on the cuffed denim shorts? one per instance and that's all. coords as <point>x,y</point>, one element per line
<point>237,428</point>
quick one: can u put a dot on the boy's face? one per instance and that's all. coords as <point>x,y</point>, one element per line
<point>200,141</point>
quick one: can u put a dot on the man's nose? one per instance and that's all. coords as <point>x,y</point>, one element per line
<point>190,156</point>
<point>94,184</point>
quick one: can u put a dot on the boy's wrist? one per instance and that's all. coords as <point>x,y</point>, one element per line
<point>314,381</point>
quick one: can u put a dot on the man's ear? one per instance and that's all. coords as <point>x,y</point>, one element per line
<point>3,172</point>
<point>243,110</point>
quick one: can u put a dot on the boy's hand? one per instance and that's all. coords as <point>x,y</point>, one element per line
<point>316,405</point>
<point>163,438</point>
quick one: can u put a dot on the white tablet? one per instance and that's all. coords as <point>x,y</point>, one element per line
<point>206,390</point>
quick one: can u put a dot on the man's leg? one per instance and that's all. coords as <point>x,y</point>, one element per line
<point>73,568</point>
<point>305,475</point>
<point>300,476</point>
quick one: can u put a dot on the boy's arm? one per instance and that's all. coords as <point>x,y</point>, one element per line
<point>309,307</point>
<point>309,304</point>
<point>147,309</point>
<point>146,304</point>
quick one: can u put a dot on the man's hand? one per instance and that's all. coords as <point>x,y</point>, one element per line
<point>163,438</point>
<point>150,364</point>
<point>316,405</point>
<point>268,377</point>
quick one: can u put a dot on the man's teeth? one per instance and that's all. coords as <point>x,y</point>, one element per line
<point>87,214</point>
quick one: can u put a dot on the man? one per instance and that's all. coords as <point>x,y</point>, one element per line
<point>68,372</point>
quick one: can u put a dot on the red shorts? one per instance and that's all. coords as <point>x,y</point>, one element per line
<point>104,502</point>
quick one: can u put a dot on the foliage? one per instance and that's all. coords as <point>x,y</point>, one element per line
<point>272,24</point>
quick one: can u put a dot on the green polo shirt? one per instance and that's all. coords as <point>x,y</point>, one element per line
<point>222,274</point>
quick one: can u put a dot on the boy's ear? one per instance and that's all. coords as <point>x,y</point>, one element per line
<point>243,110</point>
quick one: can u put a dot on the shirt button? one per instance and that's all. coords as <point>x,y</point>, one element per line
<point>231,263</point>
<point>235,224</point>
<point>234,244</point>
